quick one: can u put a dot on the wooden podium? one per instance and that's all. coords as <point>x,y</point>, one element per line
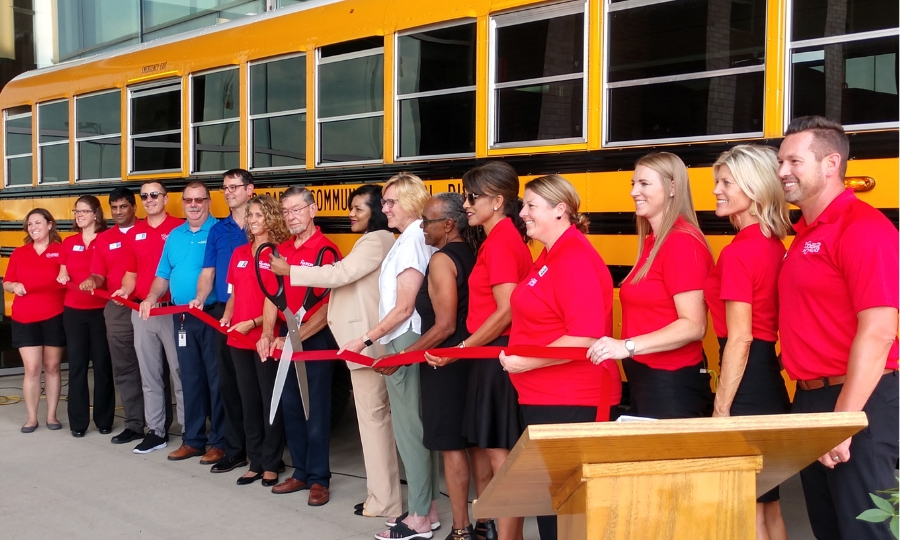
<point>667,479</point>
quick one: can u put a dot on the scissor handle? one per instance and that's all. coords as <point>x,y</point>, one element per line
<point>311,298</point>
<point>279,298</point>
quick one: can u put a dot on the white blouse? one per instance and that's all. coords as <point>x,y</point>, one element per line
<point>409,251</point>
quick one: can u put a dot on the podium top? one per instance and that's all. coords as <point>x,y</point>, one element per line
<point>547,455</point>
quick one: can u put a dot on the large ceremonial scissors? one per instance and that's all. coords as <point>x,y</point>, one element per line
<point>293,321</point>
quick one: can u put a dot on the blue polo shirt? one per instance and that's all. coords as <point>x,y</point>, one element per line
<point>224,237</point>
<point>182,261</point>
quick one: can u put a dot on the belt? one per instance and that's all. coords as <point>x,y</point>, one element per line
<point>157,305</point>
<point>823,382</point>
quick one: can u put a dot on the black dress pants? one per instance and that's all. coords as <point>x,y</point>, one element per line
<point>256,382</point>
<point>86,339</point>
<point>231,396</point>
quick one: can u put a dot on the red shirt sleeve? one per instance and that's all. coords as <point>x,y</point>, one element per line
<point>737,278</point>
<point>500,263</point>
<point>579,296</point>
<point>691,258</point>
<point>872,265</point>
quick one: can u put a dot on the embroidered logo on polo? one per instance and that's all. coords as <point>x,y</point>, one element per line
<point>265,265</point>
<point>140,236</point>
<point>811,247</point>
<point>53,255</point>
<point>164,236</point>
<point>308,264</point>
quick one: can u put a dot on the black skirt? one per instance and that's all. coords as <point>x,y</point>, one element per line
<point>492,417</point>
<point>444,405</point>
<point>659,393</point>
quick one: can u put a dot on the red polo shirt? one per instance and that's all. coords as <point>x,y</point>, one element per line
<point>306,255</point>
<point>502,258</point>
<point>568,292</point>
<point>110,257</point>
<point>244,288</point>
<point>681,265</point>
<point>44,296</point>
<point>144,249</point>
<point>77,259</point>
<point>844,262</point>
<point>747,272</point>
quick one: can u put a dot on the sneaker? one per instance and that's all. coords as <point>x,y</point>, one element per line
<point>151,442</point>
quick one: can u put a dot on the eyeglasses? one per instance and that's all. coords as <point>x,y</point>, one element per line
<point>82,212</point>
<point>153,195</point>
<point>295,211</point>
<point>429,221</point>
<point>232,188</point>
<point>195,200</point>
<point>389,202</point>
<point>470,197</point>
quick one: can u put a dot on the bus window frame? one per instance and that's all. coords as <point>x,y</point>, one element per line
<point>532,14</point>
<point>261,116</point>
<point>397,97</point>
<point>146,89</point>
<point>356,116</point>
<point>192,156</point>
<point>8,157</point>
<point>41,145</point>
<point>76,161</point>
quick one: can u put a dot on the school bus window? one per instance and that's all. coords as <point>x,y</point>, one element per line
<point>681,69</point>
<point>17,127</point>
<point>436,92</point>
<point>350,102</point>
<point>849,75</point>
<point>155,128</point>
<point>53,142</point>
<point>215,121</point>
<point>278,113</point>
<point>537,83</point>
<point>98,136</point>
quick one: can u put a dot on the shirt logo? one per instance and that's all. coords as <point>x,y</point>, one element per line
<point>140,236</point>
<point>242,264</point>
<point>811,247</point>
<point>77,248</point>
<point>265,265</point>
<point>542,271</point>
<point>532,282</point>
<point>115,245</point>
<point>304,263</point>
<point>52,255</point>
<point>164,236</point>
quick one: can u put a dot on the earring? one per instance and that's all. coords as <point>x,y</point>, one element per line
<point>495,209</point>
<point>558,217</point>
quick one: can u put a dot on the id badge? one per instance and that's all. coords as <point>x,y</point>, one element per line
<point>182,338</point>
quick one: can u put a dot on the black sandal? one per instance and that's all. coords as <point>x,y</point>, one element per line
<point>401,531</point>
<point>461,534</point>
<point>485,530</point>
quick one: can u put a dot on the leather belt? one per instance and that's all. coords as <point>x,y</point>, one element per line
<point>822,382</point>
<point>157,305</point>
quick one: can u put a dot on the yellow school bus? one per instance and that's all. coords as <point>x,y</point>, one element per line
<point>333,94</point>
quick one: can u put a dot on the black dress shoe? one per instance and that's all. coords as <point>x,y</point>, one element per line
<point>228,464</point>
<point>269,483</point>
<point>105,430</point>
<point>247,480</point>
<point>127,436</point>
<point>77,434</point>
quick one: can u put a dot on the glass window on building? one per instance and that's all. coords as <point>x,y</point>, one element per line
<point>350,102</point>
<point>215,122</point>
<point>86,26</point>
<point>278,113</point>
<point>154,127</point>
<point>53,142</point>
<point>162,18</point>
<point>681,69</point>
<point>538,85</point>
<point>843,61</point>
<point>435,76</point>
<point>98,136</point>
<point>18,152</point>
<point>17,40</point>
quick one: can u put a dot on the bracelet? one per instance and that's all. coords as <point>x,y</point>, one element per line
<point>462,344</point>
<point>254,323</point>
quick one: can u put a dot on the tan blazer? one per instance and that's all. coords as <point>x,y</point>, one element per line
<point>353,307</point>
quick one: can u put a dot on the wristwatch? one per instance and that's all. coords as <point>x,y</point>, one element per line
<point>366,341</point>
<point>629,345</point>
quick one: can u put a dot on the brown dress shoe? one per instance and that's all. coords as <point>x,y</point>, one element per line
<point>289,486</point>
<point>183,452</point>
<point>212,457</point>
<point>318,495</point>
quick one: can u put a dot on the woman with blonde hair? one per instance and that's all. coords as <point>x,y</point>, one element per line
<point>402,274</point>
<point>663,312</point>
<point>743,298</point>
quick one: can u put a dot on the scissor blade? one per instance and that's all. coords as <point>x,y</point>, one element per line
<point>283,366</point>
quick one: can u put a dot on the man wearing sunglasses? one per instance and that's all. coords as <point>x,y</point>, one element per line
<point>107,271</point>
<point>227,235</point>
<point>154,339</point>
<point>178,272</point>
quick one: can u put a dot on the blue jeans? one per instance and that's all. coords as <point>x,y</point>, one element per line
<point>309,441</point>
<point>200,383</point>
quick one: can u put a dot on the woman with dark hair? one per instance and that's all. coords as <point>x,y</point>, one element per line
<point>37,313</point>
<point>244,312</point>
<point>85,325</point>
<point>443,302</point>
<point>492,422</point>
<point>352,310</point>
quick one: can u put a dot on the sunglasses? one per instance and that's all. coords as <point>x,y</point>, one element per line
<point>195,200</point>
<point>153,195</point>
<point>470,197</point>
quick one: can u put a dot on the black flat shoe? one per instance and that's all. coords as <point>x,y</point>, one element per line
<point>77,434</point>
<point>269,483</point>
<point>228,464</point>
<point>247,480</point>
<point>127,436</point>
<point>105,430</point>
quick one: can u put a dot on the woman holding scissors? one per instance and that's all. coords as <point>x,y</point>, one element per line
<point>243,312</point>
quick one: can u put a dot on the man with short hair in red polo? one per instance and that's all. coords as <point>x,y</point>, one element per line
<point>838,296</point>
